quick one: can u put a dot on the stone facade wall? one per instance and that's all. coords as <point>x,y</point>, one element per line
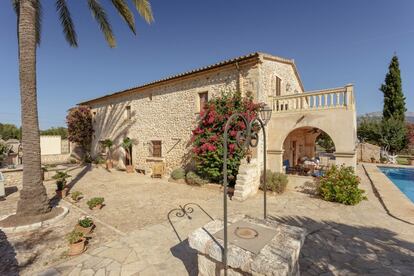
<point>269,70</point>
<point>12,177</point>
<point>55,159</point>
<point>65,146</point>
<point>169,111</point>
<point>368,153</point>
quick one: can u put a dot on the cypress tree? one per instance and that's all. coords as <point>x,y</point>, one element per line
<point>394,100</point>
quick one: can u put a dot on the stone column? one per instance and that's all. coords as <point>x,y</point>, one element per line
<point>346,158</point>
<point>275,160</point>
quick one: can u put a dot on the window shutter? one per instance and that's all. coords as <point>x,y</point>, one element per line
<point>278,86</point>
<point>156,148</point>
<point>203,99</point>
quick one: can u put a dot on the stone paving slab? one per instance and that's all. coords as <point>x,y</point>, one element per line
<point>394,200</point>
<point>341,240</point>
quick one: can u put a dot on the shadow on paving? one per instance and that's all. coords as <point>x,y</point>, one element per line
<point>190,214</point>
<point>8,261</point>
<point>187,255</point>
<point>55,200</point>
<point>332,247</point>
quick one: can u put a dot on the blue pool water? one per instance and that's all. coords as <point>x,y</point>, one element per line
<point>403,178</point>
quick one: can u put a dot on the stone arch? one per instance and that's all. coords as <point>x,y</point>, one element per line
<point>340,125</point>
<point>301,143</point>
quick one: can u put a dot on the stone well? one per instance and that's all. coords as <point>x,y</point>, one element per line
<point>273,250</point>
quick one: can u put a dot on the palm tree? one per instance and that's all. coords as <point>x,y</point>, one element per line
<point>33,197</point>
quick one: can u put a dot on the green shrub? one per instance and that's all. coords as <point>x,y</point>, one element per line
<point>61,176</point>
<point>275,182</point>
<point>74,237</point>
<point>93,202</point>
<point>60,184</point>
<point>178,174</point>
<point>341,185</point>
<point>85,222</point>
<point>76,195</point>
<point>194,179</point>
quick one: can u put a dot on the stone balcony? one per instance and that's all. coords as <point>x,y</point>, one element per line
<point>336,98</point>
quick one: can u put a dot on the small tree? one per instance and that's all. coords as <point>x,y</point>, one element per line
<point>393,135</point>
<point>107,143</point>
<point>410,135</point>
<point>369,130</point>
<point>207,137</point>
<point>127,144</point>
<point>9,131</point>
<point>394,100</point>
<point>325,141</point>
<point>80,128</point>
<point>61,131</point>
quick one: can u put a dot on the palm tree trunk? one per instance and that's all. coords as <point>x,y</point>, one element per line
<point>33,198</point>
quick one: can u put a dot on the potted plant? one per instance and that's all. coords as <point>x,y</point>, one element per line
<point>107,143</point>
<point>61,189</point>
<point>127,144</point>
<point>96,203</point>
<point>85,225</point>
<point>76,196</point>
<point>76,243</point>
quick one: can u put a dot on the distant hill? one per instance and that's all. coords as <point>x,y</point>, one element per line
<point>409,116</point>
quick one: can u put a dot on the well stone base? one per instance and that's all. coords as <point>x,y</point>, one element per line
<point>278,257</point>
<point>248,180</point>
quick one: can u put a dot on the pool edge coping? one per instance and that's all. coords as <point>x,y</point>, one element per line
<point>395,202</point>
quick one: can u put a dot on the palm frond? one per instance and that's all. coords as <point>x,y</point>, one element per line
<point>100,15</point>
<point>144,9</point>
<point>66,22</point>
<point>16,7</point>
<point>125,12</point>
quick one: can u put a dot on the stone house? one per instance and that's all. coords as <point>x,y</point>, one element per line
<point>160,115</point>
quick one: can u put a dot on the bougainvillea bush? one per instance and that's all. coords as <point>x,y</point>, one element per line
<point>80,129</point>
<point>208,140</point>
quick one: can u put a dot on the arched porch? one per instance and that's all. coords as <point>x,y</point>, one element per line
<point>338,121</point>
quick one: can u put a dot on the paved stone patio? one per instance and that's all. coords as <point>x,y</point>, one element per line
<point>341,240</point>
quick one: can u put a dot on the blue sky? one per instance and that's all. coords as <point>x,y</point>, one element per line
<point>333,43</point>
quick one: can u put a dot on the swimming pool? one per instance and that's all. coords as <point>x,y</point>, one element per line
<point>403,178</point>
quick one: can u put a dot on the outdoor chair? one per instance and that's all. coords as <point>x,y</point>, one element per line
<point>288,168</point>
<point>158,170</point>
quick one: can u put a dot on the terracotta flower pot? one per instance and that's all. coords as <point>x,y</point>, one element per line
<point>97,207</point>
<point>109,164</point>
<point>129,169</point>
<point>84,230</point>
<point>77,248</point>
<point>62,193</point>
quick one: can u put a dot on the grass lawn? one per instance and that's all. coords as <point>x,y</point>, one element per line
<point>403,160</point>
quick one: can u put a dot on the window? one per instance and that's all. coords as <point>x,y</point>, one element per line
<point>156,148</point>
<point>203,99</point>
<point>128,112</point>
<point>278,86</point>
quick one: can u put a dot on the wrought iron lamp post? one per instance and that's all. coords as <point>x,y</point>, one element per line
<point>245,139</point>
